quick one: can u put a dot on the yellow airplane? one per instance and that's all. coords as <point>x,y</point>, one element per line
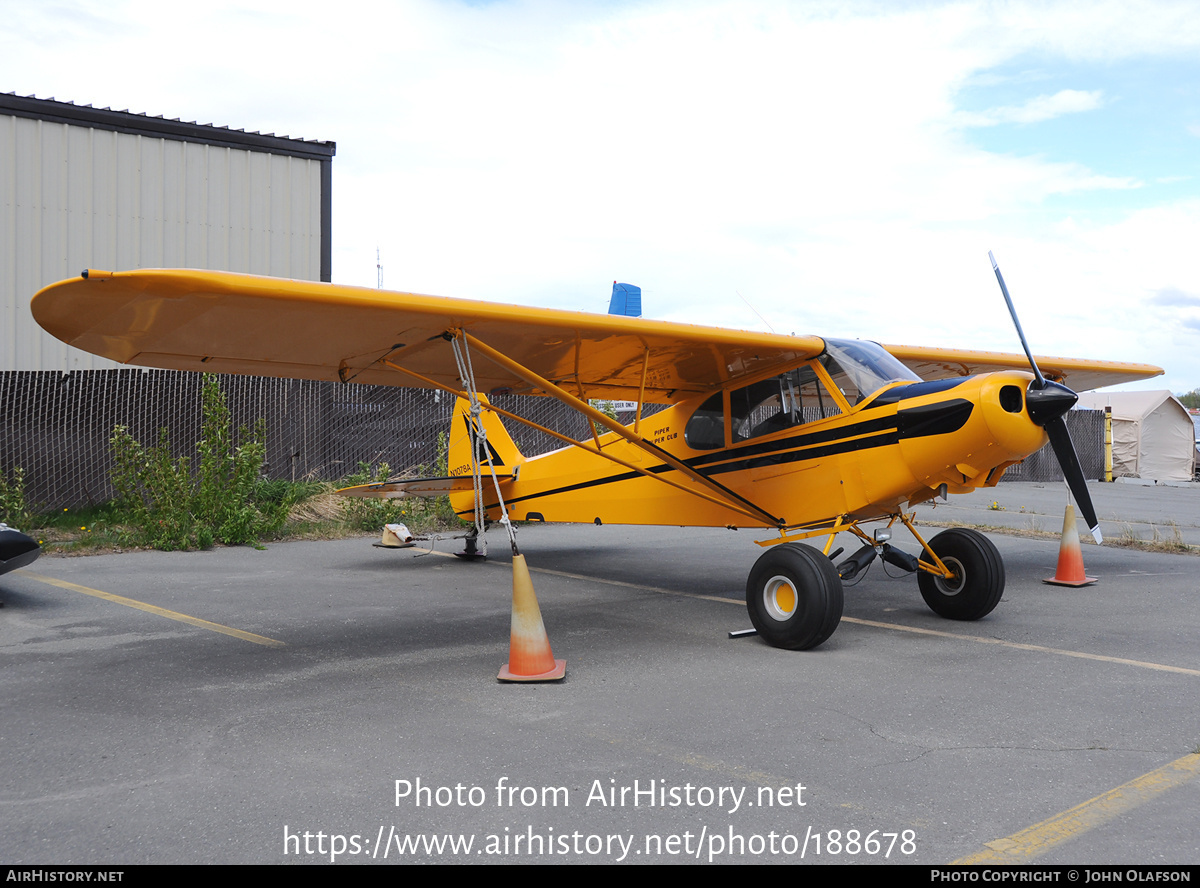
<point>802,436</point>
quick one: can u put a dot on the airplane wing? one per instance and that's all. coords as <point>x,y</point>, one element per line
<point>233,323</point>
<point>1080,375</point>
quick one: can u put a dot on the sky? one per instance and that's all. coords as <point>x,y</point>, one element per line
<point>839,169</point>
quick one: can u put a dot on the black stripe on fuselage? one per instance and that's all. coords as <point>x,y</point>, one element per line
<point>914,422</point>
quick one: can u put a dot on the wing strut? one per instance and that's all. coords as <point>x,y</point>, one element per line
<point>558,436</point>
<point>637,440</point>
<point>637,417</point>
<point>466,373</point>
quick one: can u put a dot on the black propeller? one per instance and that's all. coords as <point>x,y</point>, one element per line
<point>1047,402</point>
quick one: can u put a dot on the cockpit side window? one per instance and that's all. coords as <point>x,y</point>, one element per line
<point>857,370</point>
<point>762,408</point>
<point>775,404</point>
<point>845,382</point>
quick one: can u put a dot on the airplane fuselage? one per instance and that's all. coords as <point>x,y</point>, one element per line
<point>895,448</point>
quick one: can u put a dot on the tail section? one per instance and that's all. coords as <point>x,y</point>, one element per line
<point>463,436</point>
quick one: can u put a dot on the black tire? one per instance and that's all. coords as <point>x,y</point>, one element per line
<point>794,596</point>
<point>978,581</point>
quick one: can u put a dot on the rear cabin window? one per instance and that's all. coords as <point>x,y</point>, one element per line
<point>706,429</point>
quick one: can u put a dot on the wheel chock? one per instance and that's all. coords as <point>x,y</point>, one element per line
<point>395,536</point>
<point>529,654</point>
<point>1070,556</point>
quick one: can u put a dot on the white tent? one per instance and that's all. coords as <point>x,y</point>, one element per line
<point>1153,435</point>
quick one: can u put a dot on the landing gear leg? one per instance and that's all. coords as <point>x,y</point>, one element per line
<point>976,583</point>
<point>470,550</point>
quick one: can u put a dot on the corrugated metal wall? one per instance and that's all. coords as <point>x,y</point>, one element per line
<point>74,197</point>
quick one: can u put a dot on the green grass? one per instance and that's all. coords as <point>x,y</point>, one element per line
<point>314,512</point>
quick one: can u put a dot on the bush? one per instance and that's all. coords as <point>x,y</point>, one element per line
<point>171,509</point>
<point>13,508</point>
<point>154,493</point>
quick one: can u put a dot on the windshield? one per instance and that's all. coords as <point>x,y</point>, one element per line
<point>867,368</point>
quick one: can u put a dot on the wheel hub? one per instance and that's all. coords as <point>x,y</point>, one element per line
<point>953,584</point>
<point>779,598</point>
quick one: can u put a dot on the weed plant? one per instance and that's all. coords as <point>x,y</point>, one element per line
<point>168,506</point>
<point>13,508</point>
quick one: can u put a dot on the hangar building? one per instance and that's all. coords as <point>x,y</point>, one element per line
<point>84,187</point>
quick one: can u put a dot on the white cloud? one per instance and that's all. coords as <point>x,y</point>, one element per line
<point>810,156</point>
<point>1037,109</point>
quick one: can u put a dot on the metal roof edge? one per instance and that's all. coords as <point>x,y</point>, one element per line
<point>55,111</point>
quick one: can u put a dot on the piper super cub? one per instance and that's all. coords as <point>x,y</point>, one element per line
<point>801,436</point>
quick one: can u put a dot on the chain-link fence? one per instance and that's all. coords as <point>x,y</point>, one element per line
<point>57,426</point>
<point>1087,433</point>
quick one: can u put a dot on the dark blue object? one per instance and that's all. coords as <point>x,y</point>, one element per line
<point>626,300</point>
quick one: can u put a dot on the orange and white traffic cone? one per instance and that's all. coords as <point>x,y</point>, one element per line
<point>529,654</point>
<point>1070,556</point>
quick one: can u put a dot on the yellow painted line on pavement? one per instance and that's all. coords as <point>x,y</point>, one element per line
<point>1024,846</point>
<point>896,627</point>
<point>154,609</point>
<point>621,583</point>
<point>1062,652</point>
<point>573,576</point>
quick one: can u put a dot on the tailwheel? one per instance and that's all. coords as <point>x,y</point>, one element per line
<point>794,596</point>
<point>977,583</point>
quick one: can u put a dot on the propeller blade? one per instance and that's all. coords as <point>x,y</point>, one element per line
<point>1060,440</point>
<point>1040,380</point>
<point>1046,403</point>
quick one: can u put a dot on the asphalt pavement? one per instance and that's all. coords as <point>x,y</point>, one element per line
<point>1127,509</point>
<point>335,702</point>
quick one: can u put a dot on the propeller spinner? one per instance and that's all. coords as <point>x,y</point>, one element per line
<point>1047,402</point>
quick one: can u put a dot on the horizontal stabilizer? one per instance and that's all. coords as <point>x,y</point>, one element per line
<point>414,487</point>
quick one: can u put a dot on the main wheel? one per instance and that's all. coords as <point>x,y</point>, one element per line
<point>978,581</point>
<point>794,596</point>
